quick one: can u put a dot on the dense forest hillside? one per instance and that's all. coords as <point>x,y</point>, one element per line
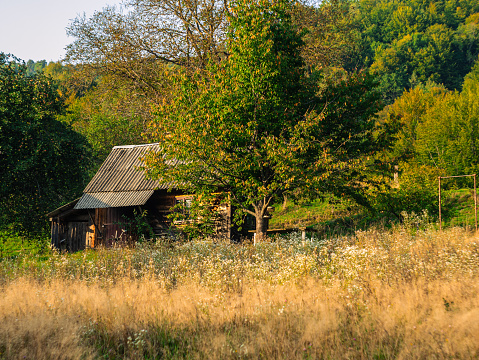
<point>394,83</point>
<point>410,42</point>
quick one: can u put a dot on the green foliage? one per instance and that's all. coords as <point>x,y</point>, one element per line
<point>138,226</point>
<point>100,108</point>
<point>438,129</point>
<point>231,126</point>
<point>407,112</point>
<point>424,56</point>
<point>253,125</point>
<point>106,130</point>
<point>415,192</point>
<point>107,116</point>
<point>199,215</point>
<point>329,33</point>
<point>35,67</point>
<point>14,244</point>
<point>43,162</point>
<point>438,136</point>
<point>416,40</point>
<point>448,133</point>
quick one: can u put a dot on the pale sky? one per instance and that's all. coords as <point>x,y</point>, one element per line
<point>35,29</point>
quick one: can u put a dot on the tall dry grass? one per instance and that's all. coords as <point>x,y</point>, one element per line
<point>399,294</point>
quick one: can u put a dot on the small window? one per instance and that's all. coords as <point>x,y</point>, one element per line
<point>184,206</point>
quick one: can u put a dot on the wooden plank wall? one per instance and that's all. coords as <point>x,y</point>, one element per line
<point>103,227</point>
<point>223,224</point>
<point>99,219</point>
<point>59,234</point>
<point>76,235</point>
<point>158,207</point>
<point>108,226</point>
<point>55,235</point>
<point>112,227</point>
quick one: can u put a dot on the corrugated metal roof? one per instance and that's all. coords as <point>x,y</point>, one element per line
<point>113,199</point>
<point>120,181</point>
<point>120,171</point>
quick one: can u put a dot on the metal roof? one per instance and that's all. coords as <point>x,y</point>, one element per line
<point>113,199</point>
<point>63,208</point>
<point>121,171</point>
<point>120,180</point>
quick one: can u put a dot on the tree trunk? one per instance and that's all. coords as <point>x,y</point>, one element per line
<point>261,226</point>
<point>285,201</point>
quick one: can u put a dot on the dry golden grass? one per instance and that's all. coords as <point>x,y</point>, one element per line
<point>408,321</point>
<point>406,295</point>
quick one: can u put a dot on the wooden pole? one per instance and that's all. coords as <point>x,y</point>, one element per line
<point>440,219</point>
<point>475,202</point>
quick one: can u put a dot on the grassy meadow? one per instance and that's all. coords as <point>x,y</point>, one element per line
<point>409,292</point>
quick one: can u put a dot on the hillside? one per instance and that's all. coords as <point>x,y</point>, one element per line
<point>335,216</point>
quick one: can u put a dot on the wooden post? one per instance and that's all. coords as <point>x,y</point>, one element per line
<point>475,202</point>
<point>440,219</point>
<point>303,234</point>
<point>396,176</point>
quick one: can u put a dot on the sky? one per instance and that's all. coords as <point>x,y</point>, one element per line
<point>36,29</point>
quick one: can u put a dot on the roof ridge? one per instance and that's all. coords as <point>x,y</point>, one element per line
<point>132,146</point>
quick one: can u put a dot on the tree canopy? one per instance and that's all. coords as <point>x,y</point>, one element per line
<point>43,162</point>
<point>253,125</point>
<point>411,41</point>
<point>439,127</point>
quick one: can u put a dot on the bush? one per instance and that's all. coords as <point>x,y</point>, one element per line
<point>416,191</point>
<point>13,244</point>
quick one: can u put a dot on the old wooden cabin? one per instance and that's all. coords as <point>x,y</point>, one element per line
<point>117,191</point>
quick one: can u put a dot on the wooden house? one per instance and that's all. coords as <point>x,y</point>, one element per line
<point>117,193</point>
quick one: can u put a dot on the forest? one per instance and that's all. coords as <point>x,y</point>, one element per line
<point>335,94</point>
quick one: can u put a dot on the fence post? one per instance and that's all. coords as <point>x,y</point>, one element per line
<point>440,219</point>
<point>475,202</point>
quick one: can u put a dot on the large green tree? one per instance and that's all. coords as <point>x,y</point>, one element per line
<point>43,162</point>
<point>253,126</point>
<point>123,58</point>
